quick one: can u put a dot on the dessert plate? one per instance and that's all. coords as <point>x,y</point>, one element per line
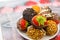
<point>44,38</point>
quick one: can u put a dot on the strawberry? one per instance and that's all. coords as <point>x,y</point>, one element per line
<point>38,20</point>
<point>28,13</point>
<point>57,21</point>
<point>45,23</point>
<point>23,24</point>
<point>56,38</point>
<point>29,3</point>
<point>44,1</point>
<point>34,21</point>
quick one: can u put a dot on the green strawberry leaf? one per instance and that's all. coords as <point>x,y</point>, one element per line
<point>27,24</point>
<point>41,20</point>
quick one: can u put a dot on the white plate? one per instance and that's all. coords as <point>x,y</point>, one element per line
<point>15,17</point>
<point>44,38</point>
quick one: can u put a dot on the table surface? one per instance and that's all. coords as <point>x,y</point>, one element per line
<point>9,33</point>
<point>1,38</point>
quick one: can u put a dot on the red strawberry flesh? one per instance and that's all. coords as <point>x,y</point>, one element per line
<point>23,24</point>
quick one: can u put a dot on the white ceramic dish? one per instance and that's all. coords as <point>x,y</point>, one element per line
<point>14,20</point>
<point>44,38</point>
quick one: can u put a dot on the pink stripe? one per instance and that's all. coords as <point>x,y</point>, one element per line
<point>6,10</point>
<point>19,8</point>
<point>56,3</point>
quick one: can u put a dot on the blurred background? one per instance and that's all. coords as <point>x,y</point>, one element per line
<point>13,3</point>
<point>11,9</point>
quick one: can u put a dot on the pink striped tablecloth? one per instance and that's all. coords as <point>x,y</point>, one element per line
<point>9,33</point>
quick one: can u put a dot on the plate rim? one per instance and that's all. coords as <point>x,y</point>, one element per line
<point>31,39</point>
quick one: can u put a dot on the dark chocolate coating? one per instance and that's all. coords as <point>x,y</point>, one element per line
<point>28,14</point>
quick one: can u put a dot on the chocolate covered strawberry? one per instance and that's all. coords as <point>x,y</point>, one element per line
<point>39,21</point>
<point>23,24</point>
<point>28,13</point>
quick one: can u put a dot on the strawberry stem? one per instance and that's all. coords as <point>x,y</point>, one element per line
<point>41,20</point>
